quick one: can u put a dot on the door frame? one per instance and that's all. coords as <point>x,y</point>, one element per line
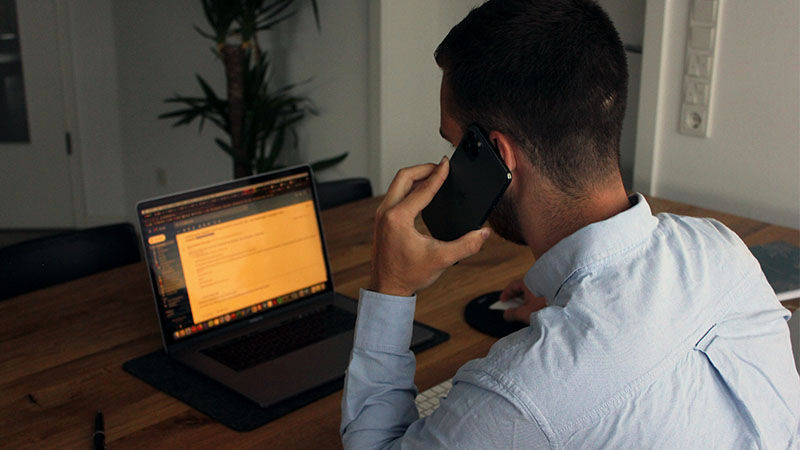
<point>70,114</point>
<point>650,98</point>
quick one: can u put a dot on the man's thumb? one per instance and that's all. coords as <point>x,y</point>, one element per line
<point>468,244</point>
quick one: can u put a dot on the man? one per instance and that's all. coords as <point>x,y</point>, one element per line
<point>645,331</point>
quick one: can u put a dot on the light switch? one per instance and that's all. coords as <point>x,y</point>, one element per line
<point>698,64</point>
<point>704,11</point>
<point>701,38</point>
<point>696,91</point>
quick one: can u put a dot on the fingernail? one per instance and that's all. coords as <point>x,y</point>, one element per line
<point>485,233</point>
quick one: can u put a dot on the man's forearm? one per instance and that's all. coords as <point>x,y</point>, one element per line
<point>378,402</point>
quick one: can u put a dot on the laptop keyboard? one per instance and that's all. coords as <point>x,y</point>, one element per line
<point>261,346</point>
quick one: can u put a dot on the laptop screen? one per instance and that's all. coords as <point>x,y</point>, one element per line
<point>226,253</point>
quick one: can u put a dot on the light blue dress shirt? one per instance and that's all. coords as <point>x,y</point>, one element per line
<point>660,332</point>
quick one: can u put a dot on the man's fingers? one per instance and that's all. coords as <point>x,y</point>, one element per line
<point>404,181</point>
<point>465,246</point>
<point>522,313</point>
<point>514,289</point>
<point>422,194</point>
<point>518,314</point>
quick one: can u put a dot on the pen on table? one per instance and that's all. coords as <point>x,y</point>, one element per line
<point>99,432</point>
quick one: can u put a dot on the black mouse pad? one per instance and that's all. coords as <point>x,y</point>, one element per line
<point>489,321</point>
<point>225,405</point>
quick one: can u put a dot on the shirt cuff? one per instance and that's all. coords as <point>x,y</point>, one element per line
<point>384,322</point>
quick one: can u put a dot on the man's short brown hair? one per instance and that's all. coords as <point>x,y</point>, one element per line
<point>552,74</point>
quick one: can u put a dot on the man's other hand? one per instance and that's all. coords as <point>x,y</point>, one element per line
<point>530,302</point>
<point>403,259</point>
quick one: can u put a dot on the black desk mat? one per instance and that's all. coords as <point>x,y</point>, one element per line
<point>223,404</point>
<point>489,321</point>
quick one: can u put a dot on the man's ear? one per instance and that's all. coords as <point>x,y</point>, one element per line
<point>507,149</point>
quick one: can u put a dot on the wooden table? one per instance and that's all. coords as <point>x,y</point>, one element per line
<point>62,348</point>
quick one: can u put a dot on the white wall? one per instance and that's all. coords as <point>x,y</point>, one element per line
<point>405,82</point>
<point>158,52</point>
<point>377,90</point>
<point>405,79</point>
<point>376,85</point>
<point>750,164</point>
<point>123,58</point>
<point>628,18</point>
<point>335,59</point>
<point>97,137</point>
<point>129,56</point>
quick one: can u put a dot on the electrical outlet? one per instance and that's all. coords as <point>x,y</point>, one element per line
<point>701,40</point>
<point>694,120</point>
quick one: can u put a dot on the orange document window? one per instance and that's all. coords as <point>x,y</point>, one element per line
<point>239,263</point>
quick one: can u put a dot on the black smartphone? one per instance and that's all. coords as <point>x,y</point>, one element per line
<point>478,178</point>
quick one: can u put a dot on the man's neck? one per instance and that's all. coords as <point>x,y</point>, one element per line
<point>556,216</point>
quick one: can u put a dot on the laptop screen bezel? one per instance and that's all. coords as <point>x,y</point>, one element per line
<point>168,339</point>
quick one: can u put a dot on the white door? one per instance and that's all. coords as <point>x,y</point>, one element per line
<point>36,186</point>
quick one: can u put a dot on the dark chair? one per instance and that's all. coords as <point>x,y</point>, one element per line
<point>335,193</point>
<point>50,260</point>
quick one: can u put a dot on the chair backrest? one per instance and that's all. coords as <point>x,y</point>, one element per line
<point>335,193</point>
<point>50,260</point>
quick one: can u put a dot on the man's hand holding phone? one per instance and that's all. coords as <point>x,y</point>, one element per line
<point>403,259</point>
<point>530,302</point>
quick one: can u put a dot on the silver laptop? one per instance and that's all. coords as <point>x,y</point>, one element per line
<point>243,287</point>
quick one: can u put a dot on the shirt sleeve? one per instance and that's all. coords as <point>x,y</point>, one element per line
<point>378,409</point>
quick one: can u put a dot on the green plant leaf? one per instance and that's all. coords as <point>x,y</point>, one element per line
<point>278,144</point>
<point>270,24</point>
<point>221,14</point>
<point>214,112</point>
<point>270,116</point>
<point>229,150</point>
<point>211,96</point>
<point>326,163</point>
<point>273,14</point>
<point>270,10</point>
<point>315,7</point>
<point>203,33</point>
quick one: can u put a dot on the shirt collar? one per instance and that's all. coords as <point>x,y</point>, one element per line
<point>587,245</point>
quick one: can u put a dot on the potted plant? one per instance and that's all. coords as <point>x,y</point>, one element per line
<point>259,119</point>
